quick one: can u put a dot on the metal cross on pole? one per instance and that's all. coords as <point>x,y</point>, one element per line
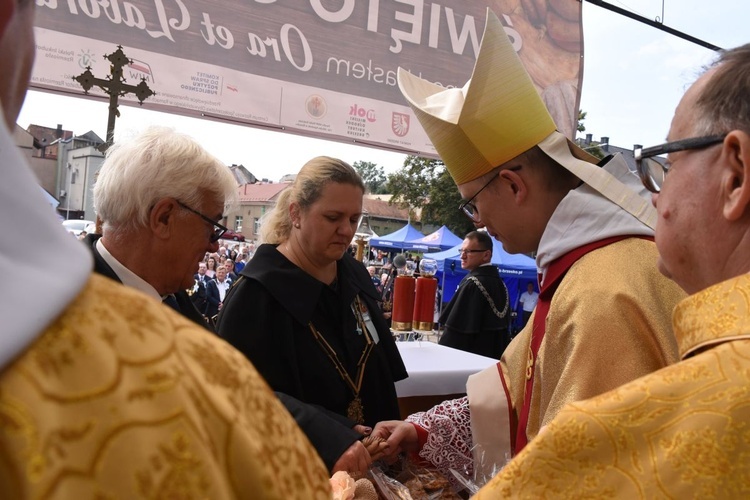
<point>114,85</point>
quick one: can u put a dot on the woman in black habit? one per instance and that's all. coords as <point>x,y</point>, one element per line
<point>306,313</point>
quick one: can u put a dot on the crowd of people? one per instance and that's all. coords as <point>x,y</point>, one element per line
<point>286,373</point>
<point>216,273</point>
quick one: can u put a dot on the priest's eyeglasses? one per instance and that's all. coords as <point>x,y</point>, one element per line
<point>652,172</point>
<point>218,229</point>
<point>468,207</point>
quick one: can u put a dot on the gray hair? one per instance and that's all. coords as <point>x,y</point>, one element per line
<point>306,189</point>
<point>724,105</point>
<point>158,163</point>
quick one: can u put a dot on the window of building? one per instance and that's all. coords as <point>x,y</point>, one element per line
<point>256,225</point>
<point>238,223</point>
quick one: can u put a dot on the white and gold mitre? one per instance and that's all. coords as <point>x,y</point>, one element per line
<point>495,117</point>
<point>499,115</point>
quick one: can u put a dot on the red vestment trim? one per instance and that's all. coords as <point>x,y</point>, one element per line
<point>512,417</point>
<point>555,273</point>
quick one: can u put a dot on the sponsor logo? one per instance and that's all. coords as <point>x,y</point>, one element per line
<point>85,59</point>
<point>400,123</point>
<point>139,70</point>
<point>316,106</point>
<point>358,111</point>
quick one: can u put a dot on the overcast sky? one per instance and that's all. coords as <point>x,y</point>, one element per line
<point>634,76</point>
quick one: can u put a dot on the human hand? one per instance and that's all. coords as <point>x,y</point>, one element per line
<point>400,436</point>
<point>362,429</point>
<point>356,459</point>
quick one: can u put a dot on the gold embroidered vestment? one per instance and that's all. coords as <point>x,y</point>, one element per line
<point>680,432</point>
<point>122,398</point>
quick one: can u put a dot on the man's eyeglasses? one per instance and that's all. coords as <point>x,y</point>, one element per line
<point>652,172</point>
<point>468,207</point>
<point>218,229</point>
<point>468,251</point>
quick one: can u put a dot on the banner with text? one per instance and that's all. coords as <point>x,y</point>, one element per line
<point>324,68</point>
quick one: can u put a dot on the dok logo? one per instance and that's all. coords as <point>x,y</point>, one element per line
<point>368,114</point>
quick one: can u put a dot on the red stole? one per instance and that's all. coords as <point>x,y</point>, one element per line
<point>555,273</point>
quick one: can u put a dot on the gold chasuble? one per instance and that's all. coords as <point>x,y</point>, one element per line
<point>121,398</point>
<point>595,340</point>
<point>681,432</point>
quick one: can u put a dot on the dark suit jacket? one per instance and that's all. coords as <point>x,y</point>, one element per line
<point>199,296</point>
<point>213,298</point>
<point>186,306</point>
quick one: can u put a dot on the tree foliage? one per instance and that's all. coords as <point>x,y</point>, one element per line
<point>581,117</point>
<point>425,183</point>
<point>372,175</point>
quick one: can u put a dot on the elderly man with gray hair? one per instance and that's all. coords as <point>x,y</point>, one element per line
<point>160,197</point>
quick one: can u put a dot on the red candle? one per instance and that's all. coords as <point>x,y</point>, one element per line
<point>403,303</point>
<point>424,303</point>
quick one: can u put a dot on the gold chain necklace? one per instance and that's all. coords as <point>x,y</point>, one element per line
<point>355,411</point>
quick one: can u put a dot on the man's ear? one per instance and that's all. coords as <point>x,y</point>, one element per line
<point>515,182</point>
<point>161,218</point>
<point>735,182</point>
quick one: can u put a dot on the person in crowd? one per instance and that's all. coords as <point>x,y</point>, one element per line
<point>198,295</point>
<point>240,263</point>
<point>211,266</point>
<point>528,302</point>
<point>154,229</point>
<point>603,313</point>
<point>477,317</point>
<point>678,432</point>
<point>229,265</point>
<point>222,252</point>
<point>104,392</point>
<point>216,291</point>
<point>305,311</point>
<point>386,297</point>
<point>372,270</point>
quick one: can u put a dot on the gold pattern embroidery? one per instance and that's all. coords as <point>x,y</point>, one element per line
<point>82,413</point>
<point>679,432</point>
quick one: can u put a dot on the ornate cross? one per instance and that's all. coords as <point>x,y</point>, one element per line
<point>114,85</point>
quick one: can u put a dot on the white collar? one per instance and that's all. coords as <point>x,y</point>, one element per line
<point>45,282</point>
<point>128,277</point>
<point>585,216</point>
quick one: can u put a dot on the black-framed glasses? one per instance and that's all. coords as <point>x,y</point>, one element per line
<point>652,172</point>
<point>468,251</point>
<point>468,207</point>
<point>218,229</point>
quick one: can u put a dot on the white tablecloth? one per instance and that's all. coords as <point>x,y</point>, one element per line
<point>435,369</point>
